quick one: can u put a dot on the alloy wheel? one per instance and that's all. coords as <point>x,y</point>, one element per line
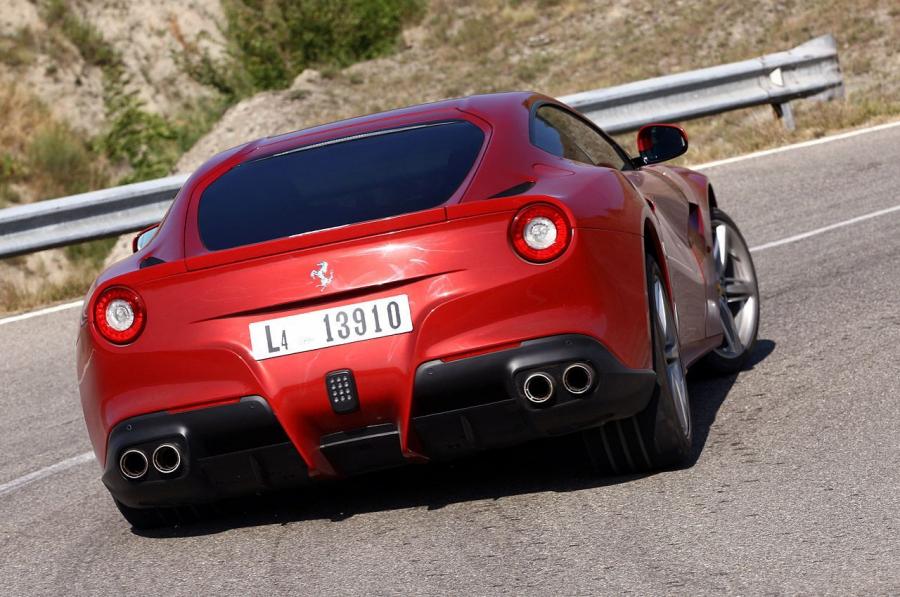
<point>672,353</point>
<point>738,290</point>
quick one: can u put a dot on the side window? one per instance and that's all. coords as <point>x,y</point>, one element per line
<point>558,132</point>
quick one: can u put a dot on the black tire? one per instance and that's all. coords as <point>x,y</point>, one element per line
<point>722,360</point>
<point>656,437</point>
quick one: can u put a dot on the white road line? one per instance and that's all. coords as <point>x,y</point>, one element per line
<point>796,237</point>
<point>45,472</point>
<point>793,146</point>
<point>88,456</point>
<point>40,312</point>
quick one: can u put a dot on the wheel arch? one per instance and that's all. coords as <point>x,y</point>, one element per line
<point>711,197</point>
<point>653,246</point>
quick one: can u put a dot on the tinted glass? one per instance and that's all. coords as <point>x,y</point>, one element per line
<point>661,143</point>
<point>336,183</point>
<point>560,133</point>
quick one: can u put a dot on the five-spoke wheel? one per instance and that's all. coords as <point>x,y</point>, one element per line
<point>738,295</point>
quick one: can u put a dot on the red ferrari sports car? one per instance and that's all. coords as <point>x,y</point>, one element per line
<point>412,285</point>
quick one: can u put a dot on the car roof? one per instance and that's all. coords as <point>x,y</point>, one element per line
<point>486,105</point>
<point>499,109</point>
<point>488,102</point>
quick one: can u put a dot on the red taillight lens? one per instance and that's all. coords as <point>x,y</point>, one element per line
<point>540,232</point>
<point>119,315</point>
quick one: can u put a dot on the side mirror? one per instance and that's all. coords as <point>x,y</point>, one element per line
<point>143,238</point>
<point>659,143</point>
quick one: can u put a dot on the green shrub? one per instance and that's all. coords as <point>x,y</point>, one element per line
<point>10,169</point>
<point>61,163</point>
<point>143,141</point>
<point>271,41</point>
<point>147,142</point>
<point>139,138</point>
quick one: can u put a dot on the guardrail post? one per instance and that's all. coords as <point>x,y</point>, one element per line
<point>785,114</point>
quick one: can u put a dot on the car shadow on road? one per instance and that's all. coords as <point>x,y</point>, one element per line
<point>709,392</point>
<point>558,465</point>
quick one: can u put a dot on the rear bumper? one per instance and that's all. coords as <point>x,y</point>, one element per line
<point>459,407</point>
<point>478,403</point>
<point>229,450</point>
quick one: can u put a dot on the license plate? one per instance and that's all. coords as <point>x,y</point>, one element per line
<point>330,327</point>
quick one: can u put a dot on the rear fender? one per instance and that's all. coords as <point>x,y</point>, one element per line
<point>653,244</point>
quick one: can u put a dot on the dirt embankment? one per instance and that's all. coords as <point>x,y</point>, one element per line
<point>54,88</point>
<point>47,58</point>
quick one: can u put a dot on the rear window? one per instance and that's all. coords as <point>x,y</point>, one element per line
<point>345,181</point>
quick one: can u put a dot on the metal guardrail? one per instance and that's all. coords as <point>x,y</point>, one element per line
<point>809,70</point>
<point>84,217</point>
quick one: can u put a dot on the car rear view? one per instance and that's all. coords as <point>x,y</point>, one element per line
<point>335,304</point>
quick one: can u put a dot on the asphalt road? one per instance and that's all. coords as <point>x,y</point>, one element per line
<point>795,488</point>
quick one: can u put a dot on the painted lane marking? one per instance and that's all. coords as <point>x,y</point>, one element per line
<point>89,456</point>
<point>45,472</point>
<point>39,312</point>
<point>796,237</point>
<point>793,146</point>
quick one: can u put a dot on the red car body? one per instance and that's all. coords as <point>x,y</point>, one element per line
<point>242,424</point>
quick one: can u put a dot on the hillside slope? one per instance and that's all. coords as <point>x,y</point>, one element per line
<point>79,82</point>
<point>47,48</point>
<point>565,46</point>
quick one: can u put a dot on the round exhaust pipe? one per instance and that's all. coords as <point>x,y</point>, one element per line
<point>133,464</point>
<point>166,458</point>
<point>538,387</point>
<point>578,378</point>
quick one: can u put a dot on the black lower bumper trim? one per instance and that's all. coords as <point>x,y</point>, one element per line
<point>477,403</point>
<point>364,450</point>
<point>227,450</point>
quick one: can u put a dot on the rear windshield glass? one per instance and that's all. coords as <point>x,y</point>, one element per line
<point>339,182</point>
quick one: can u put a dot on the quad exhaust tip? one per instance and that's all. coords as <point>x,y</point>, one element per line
<point>166,458</point>
<point>538,387</point>
<point>133,464</point>
<point>578,378</point>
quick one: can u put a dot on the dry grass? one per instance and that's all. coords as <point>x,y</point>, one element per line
<point>589,44</point>
<point>50,276</point>
<point>22,115</point>
<point>15,297</point>
<point>575,45</point>
<point>564,46</point>
<point>42,278</point>
<point>758,128</point>
<point>39,156</point>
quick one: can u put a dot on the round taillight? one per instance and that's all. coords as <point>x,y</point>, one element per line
<point>119,315</point>
<point>540,232</point>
